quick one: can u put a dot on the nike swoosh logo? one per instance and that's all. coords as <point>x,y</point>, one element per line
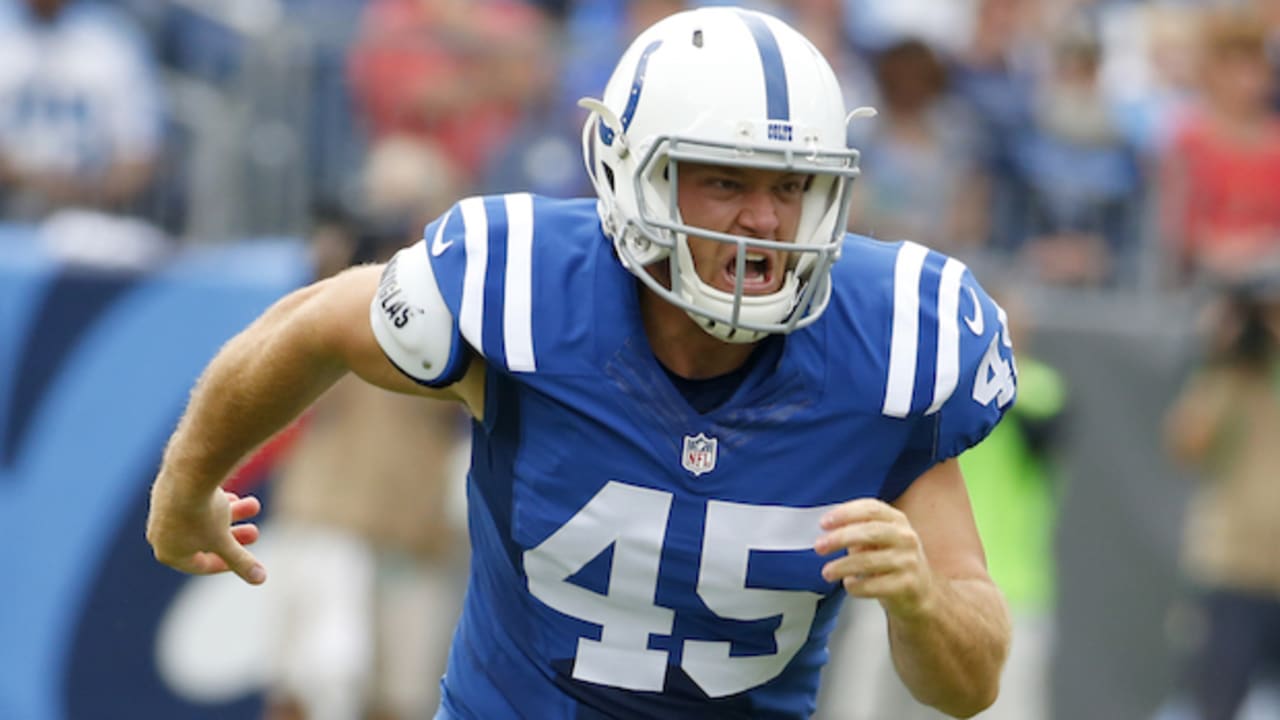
<point>438,246</point>
<point>975,322</point>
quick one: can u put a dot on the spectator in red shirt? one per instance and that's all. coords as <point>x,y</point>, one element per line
<point>1221,174</point>
<point>456,73</point>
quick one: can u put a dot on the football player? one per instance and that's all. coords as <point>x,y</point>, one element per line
<point>703,413</point>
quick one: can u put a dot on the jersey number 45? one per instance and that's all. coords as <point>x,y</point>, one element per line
<point>634,520</point>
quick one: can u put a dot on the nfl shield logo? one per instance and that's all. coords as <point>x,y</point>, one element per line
<point>699,454</point>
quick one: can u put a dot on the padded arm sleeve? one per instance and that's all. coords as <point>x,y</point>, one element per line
<point>412,323</point>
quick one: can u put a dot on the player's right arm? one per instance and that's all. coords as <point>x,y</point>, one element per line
<point>256,384</point>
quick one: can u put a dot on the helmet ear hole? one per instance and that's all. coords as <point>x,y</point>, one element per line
<point>608,176</point>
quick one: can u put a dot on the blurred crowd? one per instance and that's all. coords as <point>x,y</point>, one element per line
<point>1083,143</point>
<point>1122,145</point>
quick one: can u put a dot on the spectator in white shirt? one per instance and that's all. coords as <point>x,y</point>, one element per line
<point>80,114</point>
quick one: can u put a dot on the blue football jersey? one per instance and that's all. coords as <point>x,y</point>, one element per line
<point>634,558</point>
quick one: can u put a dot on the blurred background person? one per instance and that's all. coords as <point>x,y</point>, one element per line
<point>829,25</point>
<point>370,560</point>
<point>1225,423</point>
<point>1014,479</point>
<point>542,153</point>
<point>456,73</point>
<point>994,76</point>
<point>921,174</point>
<point>872,25</point>
<point>1220,180</point>
<point>80,109</point>
<point>1149,71</point>
<point>595,33</point>
<point>1083,178</point>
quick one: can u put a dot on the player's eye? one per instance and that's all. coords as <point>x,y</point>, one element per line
<point>792,187</point>
<point>726,184</point>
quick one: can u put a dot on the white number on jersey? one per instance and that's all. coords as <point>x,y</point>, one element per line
<point>733,530</point>
<point>633,520</point>
<point>995,377</point>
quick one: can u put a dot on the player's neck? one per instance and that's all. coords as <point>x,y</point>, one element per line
<point>684,348</point>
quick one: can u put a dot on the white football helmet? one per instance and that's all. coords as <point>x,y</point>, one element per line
<point>733,87</point>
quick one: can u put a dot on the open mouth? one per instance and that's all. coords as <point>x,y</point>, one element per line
<point>757,277</point>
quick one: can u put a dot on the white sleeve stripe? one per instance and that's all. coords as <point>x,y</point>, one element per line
<point>517,310</point>
<point>947,372</point>
<point>471,320</point>
<point>906,325</point>
<point>1004,327</point>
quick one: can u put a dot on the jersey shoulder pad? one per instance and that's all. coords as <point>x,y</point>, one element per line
<point>411,322</point>
<point>949,349</point>
<point>515,271</point>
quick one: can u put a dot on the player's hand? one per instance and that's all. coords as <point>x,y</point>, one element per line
<point>884,557</point>
<point>206,536</point>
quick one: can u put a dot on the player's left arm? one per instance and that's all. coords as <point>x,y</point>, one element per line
<point>919,553</point>
<point>921,557</point>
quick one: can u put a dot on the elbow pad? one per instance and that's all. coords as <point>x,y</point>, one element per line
<point>412,323</point>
